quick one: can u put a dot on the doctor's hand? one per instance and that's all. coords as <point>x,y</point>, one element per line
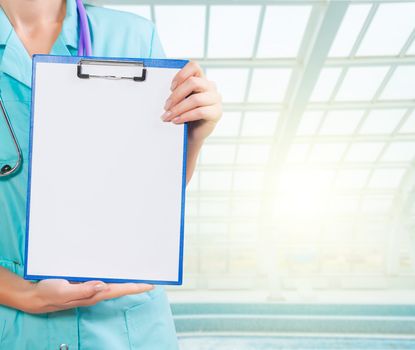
<point>55,294</point>
<point>193,99</point>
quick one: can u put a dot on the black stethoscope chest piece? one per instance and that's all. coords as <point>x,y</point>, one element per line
<point>7,169</point>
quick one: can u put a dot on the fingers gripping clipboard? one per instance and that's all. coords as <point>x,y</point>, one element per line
<point>107,176</point>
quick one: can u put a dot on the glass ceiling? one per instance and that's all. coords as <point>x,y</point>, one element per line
<point>315,152</point>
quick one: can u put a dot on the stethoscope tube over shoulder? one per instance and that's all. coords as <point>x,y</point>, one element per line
<point>84,49</point>
<point>7,169</point>
<point>84,44</point>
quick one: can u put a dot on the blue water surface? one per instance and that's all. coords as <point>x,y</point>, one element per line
<point>292,343</point>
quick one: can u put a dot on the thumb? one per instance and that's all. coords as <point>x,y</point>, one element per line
<point>85,290</point>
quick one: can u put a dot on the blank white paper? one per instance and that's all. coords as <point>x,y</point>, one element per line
<point>106,178</point>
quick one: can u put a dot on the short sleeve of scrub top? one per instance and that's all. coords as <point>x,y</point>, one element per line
<point>143,321</point>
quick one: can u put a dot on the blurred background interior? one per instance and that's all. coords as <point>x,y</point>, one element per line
<point>300,217</point>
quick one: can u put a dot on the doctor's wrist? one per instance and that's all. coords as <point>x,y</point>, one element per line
<point>29,300</point>
<point>15,292</point>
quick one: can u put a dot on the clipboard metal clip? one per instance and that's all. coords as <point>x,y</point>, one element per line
<point>111,69</point>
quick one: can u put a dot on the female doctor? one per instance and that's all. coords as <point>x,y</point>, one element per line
<point>55,314</point>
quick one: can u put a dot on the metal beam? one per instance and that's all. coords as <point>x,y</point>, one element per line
<point>321,105</point>
<point>363,105</point>
<point>292,62</point>
<point>253,195</point>
<point>360,217</point>
<point>315,56</point>
<point>356,138</point>
<point>263,140</point>
<point>300,166</point>
<point>202,2</point>
<point>321,30</point>
<point>227,2</point>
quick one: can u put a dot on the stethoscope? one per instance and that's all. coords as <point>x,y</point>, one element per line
<point>84,49</point>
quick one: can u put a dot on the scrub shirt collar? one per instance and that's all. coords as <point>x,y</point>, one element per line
<point>16,62</point>
<point>70,32</point>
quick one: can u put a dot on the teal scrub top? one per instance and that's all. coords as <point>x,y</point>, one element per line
<point>141,321</point>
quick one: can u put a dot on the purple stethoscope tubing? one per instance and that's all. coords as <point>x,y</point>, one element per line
<point>84,49</point>
<point>84,44</point>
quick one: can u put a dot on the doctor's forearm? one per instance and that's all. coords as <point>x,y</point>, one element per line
<point>193,149</point>
<point>14,290</point>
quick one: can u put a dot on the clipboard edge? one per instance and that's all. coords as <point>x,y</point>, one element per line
<point>150,62</point>
<point>107,280</point>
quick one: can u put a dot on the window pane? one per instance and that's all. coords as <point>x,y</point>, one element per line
<point>215,180</point>
<point>364,152</point>
<point>401,86</point>
<point>214,207</point>
<point>192,207</point>
<point>253,154</point>
<point>298,206</point>
<point>213,228</point>
<point>248,180</point>
<point>409,125</point>
<point>341,122</point>
<point>382,121</point>
<point>361,83</point>
<point>313,180</point>
<point>259,123</point>
<point>325,84</point>
<point>298,152</point>
<point>344,205</point>
<point>352,179</point>
<point>389,30</point>
<point>189,23</point>
<point>327,152</point>
<point>228,125</point>
<point>303,191</point>
<point>411,50</point>
<point>376,205</point>
<point>236,40</point>
<point>349,30</point>
<point>283,30</point>
<point>193,184</point>
<point>245,208</point>
<point>335,232</point>
<point>269,85</point>
<point>386,178</point>
<point>246,228</point>
<point>218,154</point>
<point>232,82</point>
<point>141,10</point>
<point>309,123</point>
<point>399,152</point>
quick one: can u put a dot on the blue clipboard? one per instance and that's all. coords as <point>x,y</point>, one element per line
<point>36,241</point>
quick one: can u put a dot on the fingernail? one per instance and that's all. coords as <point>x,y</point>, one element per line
<point>167,105</point>
<point>173,85</point>
<point>166,115</point>
<point>99,287</point>
<point>176,120</point>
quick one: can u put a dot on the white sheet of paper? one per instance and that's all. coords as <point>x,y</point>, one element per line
<point>106,178</point>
